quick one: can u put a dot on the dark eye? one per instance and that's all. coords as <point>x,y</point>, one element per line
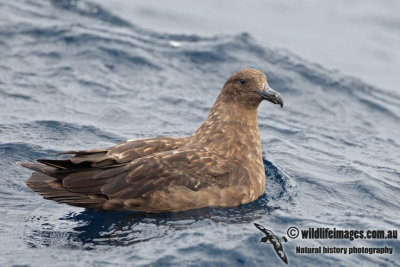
<point>242,81</point>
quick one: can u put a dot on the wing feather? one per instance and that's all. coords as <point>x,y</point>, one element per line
<point>102,179</point>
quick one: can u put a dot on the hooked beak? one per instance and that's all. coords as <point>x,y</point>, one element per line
<point>271,95</point>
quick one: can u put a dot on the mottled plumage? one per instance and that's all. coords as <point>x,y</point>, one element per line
<point>220,164</point>
<point>274,241</point>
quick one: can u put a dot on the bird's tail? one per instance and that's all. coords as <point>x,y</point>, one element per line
<point>51,187</point>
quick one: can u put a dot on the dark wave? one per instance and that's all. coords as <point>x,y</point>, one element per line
<point>89,9</point>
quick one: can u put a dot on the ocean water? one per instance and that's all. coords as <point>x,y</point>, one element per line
<point>73,75</point>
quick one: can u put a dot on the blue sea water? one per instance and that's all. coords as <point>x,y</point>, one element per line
<point>75,76</point>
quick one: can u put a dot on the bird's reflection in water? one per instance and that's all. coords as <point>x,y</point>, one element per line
<point>126,228</point>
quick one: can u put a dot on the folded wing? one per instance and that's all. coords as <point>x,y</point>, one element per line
<point>130,176</point>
